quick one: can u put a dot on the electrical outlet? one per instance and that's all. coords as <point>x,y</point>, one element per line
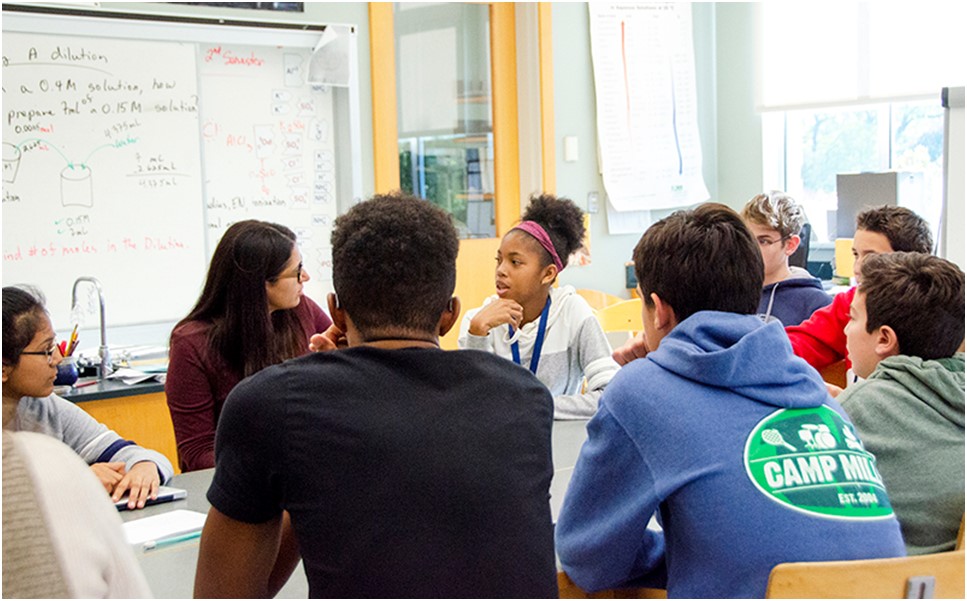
<point>593,207</point>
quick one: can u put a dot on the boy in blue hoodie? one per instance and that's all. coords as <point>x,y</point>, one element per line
<point>723,431</point>
<point>905,324</point>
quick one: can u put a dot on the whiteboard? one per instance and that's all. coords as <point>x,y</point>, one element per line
<point>952,233</point>
<point>224,128</point>
<point>102,172</point>
<point>268,149</point>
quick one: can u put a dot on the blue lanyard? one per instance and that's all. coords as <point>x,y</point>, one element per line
<point>538,343</point>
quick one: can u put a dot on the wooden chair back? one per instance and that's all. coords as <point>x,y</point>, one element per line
<point>598,299</point>
<point>939,575</point>
<point>835,373</point>
<point>624,316</point>
<point>960,534</point>
<point>568,590</point>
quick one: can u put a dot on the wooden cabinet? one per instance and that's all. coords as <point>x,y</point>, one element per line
<point>143,418</point>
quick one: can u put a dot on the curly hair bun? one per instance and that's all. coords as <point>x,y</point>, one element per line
<point>561,218</point>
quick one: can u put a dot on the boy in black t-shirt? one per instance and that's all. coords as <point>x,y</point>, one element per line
<point>401,469</point>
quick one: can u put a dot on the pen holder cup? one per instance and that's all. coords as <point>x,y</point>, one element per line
<point>66,372</point>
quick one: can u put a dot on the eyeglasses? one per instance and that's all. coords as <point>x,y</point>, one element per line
<point>49,352</point>
<point>766,241</point>
<point>297,275</point>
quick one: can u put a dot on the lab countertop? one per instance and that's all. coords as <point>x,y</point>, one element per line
<point>108,389</point>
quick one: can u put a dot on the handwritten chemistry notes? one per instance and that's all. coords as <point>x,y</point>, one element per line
<point>101,171</point>
<point>269,150</point>
<point>644,79</point>
<point>127,160</point>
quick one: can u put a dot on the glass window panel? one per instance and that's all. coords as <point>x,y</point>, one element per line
<point>818,144</point>
<point>445,110</point>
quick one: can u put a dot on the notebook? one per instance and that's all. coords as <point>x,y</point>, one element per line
<point>165,494</point>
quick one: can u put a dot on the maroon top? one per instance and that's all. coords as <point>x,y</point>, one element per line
<point>198,382</point>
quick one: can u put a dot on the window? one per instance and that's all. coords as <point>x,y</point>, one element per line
<point>812,146</point>
<point>853,87</point>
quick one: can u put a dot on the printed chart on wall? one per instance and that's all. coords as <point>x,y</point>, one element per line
<point>101,172</point>
<point>268,149</point>
<point>644,80</point>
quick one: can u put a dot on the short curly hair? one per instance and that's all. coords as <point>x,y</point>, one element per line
<point>906,231</point>
<point>700,260</point>
<point>775,211</point>
<point>920,296</point>
<point>562,220</point>
<point>394,264</point>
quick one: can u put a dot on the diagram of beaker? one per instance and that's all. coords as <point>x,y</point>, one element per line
<point>11,162</point>
<point>76,188</point>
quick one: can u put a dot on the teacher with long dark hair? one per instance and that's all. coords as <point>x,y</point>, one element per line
<point>251,314</point>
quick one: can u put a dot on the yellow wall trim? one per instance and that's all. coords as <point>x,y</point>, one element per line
<point>503,49</point>
<point>382,48</point>
<point>546,58</point>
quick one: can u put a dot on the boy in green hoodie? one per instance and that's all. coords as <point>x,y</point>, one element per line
<point>905,325</point>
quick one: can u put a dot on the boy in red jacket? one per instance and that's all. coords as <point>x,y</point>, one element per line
<point>820,339</point>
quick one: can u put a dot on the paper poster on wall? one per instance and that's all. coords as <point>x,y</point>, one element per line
<point>644,79</point>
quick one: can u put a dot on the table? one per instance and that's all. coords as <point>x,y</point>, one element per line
<point>170,571</point>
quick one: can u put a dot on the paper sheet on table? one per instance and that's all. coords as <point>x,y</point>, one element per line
<point>133,376</point>
<point>156,527</point>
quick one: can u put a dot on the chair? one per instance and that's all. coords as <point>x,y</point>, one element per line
<point>939,575</point>
<point>835,373</point>
<point>598,299</point>
<point>620,321</point>
<point>960,534</point>
<point>800,258</point>
<point>568,590</point>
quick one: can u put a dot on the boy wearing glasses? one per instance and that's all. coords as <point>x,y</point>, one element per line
<point>789,294</point>
<point>721,431</point>
<point>906,323</point>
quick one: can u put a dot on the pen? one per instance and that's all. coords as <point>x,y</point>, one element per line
<point>164,542</point>
<point>83,384</point>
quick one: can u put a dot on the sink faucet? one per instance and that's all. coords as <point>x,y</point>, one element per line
<point>105,368</point>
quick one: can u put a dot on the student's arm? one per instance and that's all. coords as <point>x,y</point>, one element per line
<point>820,340</point>
<point>601,537</point>
<point>143,469</point>
<point>635,348</point>
<point>191,403</point>
<point>238,560</point>
<point>466,340</point>
<point>593,354</point>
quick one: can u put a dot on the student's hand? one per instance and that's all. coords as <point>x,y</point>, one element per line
<point>499,312</point>
<point>142,482</point>
<point>333,338</point>
<point>833,389</point>
<point>109,474</point>
<point>635,348</point>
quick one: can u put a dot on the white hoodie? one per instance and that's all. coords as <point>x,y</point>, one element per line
<point>575,348</point>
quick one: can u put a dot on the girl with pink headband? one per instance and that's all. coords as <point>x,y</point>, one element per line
<point>551,331</point>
